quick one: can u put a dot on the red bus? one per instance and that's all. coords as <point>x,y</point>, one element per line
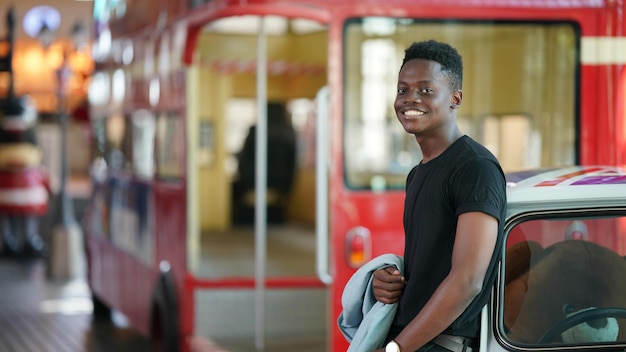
<point>174,242</point>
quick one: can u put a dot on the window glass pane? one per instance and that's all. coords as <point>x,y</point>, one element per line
<point>564,282</point>
<point>170,150</point>
<point>144,126</point>
<point>117,138</point>
<point>99,137</point>
<point>518,94</point>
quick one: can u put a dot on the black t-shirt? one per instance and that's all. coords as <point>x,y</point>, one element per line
<point>466,177</point>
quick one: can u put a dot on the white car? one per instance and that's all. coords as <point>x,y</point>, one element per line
<point>562,283</point>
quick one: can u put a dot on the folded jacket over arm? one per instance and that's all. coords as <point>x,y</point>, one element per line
<point>364,321</point>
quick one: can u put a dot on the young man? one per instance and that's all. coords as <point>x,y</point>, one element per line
<point>453,218</point>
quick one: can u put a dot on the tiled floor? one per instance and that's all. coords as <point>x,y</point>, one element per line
<point>38,315</point>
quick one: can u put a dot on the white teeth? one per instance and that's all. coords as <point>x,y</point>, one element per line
<point>413,113</point>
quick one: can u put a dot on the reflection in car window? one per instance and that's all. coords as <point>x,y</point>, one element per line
<point>564,282</point>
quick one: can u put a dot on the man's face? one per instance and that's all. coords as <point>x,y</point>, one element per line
<point>424,101</point>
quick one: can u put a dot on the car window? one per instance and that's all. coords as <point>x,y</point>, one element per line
<point>565,282</point>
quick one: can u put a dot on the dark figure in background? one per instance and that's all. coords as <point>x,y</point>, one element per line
<point>24,183</point>
<point>281,165</point>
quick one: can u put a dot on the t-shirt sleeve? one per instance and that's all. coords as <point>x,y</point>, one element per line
<point>479,185</point>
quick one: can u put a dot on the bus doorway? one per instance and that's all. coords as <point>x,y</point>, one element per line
<point>252,184</point>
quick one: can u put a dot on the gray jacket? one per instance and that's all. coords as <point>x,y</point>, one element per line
<point>364,321</point>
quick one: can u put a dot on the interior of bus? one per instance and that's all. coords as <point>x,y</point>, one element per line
<point>224,103</point>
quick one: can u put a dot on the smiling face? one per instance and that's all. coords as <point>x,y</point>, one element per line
<point>425,103</point>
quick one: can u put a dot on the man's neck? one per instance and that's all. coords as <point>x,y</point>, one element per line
<point>433,147</point>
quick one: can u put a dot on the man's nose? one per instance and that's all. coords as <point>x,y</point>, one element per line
<point>415,95</point>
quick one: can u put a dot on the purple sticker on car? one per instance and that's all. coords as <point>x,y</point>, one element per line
<point>601,180</point>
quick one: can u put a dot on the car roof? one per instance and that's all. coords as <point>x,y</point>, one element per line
<point>566,188</point>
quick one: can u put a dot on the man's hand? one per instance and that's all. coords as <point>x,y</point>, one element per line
<point>388,285</point>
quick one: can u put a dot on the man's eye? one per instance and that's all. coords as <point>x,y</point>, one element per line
<point>426,90</point>
<point>401,91</point>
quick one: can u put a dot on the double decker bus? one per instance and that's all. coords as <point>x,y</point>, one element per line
<point>172,241</point>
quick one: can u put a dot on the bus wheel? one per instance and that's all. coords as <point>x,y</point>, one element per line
<point>165,332</point>
<point>101,310</point>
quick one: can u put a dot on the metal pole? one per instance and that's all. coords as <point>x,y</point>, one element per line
<point>260,223</point>
<point>65,260</point>
<point>65,207</point>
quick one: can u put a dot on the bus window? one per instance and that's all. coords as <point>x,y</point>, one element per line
<point>143,122</point>
<point>98,132</point>
<point>226,63</point>
<point>519,79</point>
<point>117,135</point>
<point>170,140</point>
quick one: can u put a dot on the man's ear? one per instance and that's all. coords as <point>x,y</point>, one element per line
<point>457,98</point>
